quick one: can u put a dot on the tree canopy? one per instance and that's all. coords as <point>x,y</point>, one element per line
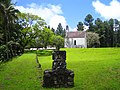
<point>108,30</point>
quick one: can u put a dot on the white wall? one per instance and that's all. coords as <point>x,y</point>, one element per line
<point>81,42</point>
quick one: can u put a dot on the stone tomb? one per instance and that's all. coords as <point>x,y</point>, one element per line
<point>59,75</point>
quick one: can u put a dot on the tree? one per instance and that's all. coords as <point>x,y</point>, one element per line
<point>8,17</point>
<point>118,38</point>
<point>80,26</point>
<point>118,35</point>
<point>31,28</point>
<point>53,30</point>
<point>9,14</point>
<point>92,39</point>
<point>45,38</point>
<point>99,29</point>
<point>111,32</point>
<point>57,41</point>
<point>99,25</point>
<point>104,30</point>
<point>88,19</point>
<point>60,31</point>
<point>89,22</point>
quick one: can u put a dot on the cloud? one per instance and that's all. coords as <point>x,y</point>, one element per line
<point>54,21</point>
<point>52,14</point>
<point>108,11</point>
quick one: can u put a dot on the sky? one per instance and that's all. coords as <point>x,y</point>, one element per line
<point>69,12</point>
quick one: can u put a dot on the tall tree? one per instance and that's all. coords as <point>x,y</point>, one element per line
<point>115,30</point>
<point>80,26</point>
<point>9,14</point>
<point>118,35</point>
<point>99,25</point>
<point>45,38</point>
<point>89,22</point>
<point>106,34</point>
<point>31,28</point>
<point>111,32</point>
<point>53,30</point>
<point>60,31</point>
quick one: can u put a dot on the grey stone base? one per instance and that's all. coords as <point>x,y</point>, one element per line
<point>53,78</point>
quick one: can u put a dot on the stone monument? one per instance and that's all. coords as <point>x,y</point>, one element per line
<point>59,75</point>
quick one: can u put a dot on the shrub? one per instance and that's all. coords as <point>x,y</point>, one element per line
<point>44,52</point>
<point>10,50</point>
<point>4,51</point>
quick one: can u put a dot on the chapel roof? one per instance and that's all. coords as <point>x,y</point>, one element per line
<point>76,34</point>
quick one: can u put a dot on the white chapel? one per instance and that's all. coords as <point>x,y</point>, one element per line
<point>76,39</point>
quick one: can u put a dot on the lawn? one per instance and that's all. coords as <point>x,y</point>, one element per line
<point>95,69</point>
<point>21,73</point>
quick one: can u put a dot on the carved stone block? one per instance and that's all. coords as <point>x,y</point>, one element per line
<point>58,76</point>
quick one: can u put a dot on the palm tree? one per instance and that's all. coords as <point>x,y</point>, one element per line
<point>8,12</point>
<point>8,16</point>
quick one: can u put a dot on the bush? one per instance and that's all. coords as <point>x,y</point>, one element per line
<point>40,52</point>
<point>10,50</point>
<point>44,52</point>
<point>29,51</point>
<point>57,41</point>
<point>92,39</point>
<point>4,51</point>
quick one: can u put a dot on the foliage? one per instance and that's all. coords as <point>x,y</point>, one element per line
<point>88,19</point>
<point>27,51</point>
<point>44,52</point>
<point>45,38</point>
<point>57,41</point>
<point>118,37</point>
<point>108,31</point>
<point>80,26</point>
<point>40,52</point>
<point>89,22</point>
<point>60,31</point>
<point>10,50</point>
<point>53,30</point>
<point>8,15</point>
<point>3,53</point>
<point>8,31</point>
<point>31,28</point>
<point>92,39</point>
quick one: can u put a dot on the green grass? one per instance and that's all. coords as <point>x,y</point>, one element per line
<point>95,69</point>
<point>20,74</point>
